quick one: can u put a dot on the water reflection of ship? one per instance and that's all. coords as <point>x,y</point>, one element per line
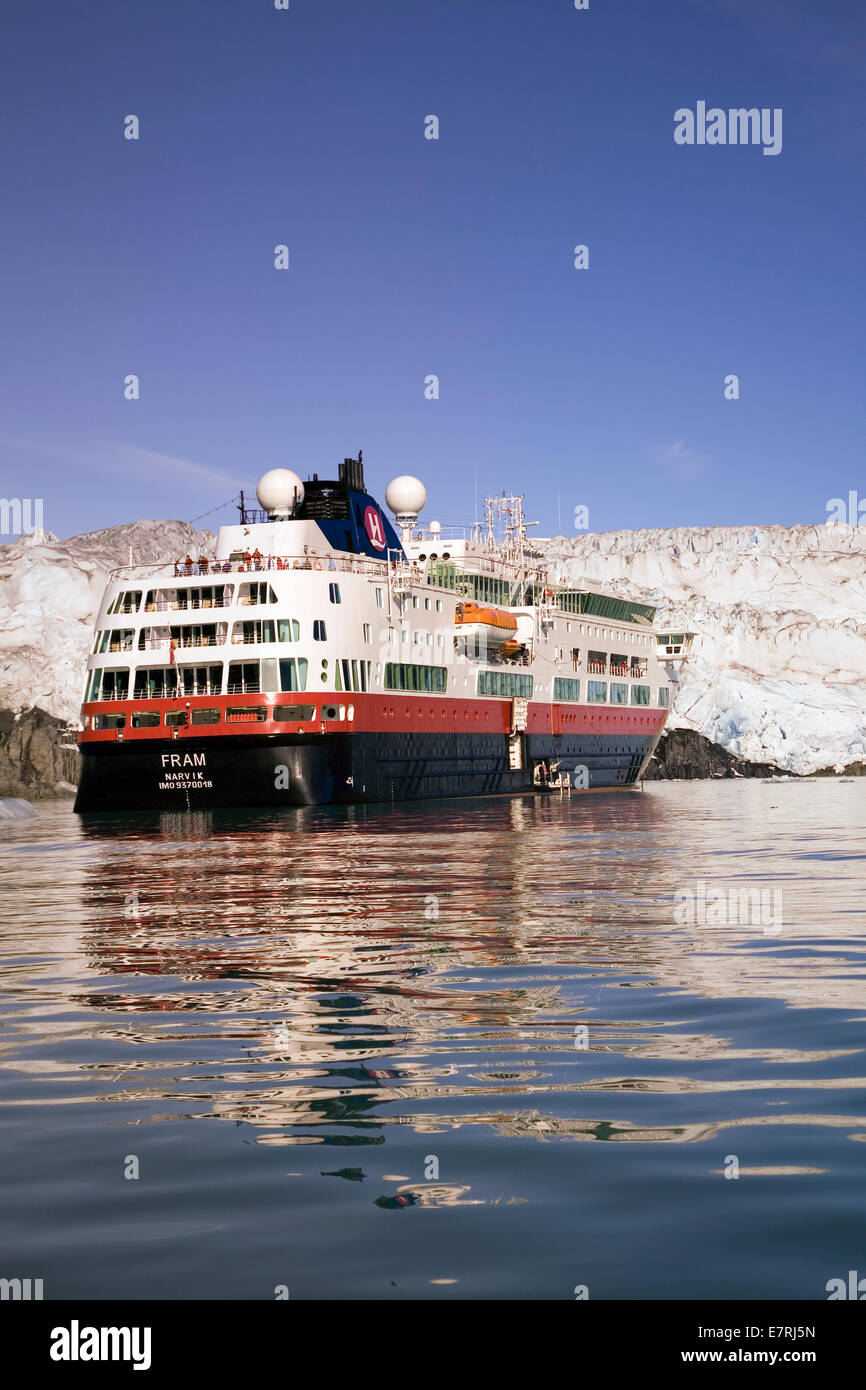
<point>316,952</point>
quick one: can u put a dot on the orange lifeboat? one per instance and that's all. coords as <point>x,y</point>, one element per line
<point>497,627</point>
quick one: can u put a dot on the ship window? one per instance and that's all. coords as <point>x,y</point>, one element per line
<point>596,692</point>
<point>250,633</point>
<point>504,683</point>
<point>566,688</point>
<point>270,682</point>
<point>155,683</point>
<point>285,714</point>
<point>368,633</point>
<point>404,675</point>
<point>293,673</point>
<point>251,594</point>
<point>438,605</point>
<point>244,678</point>
<point>428,603</point>
<point>618,664</point>
<point>146,720</point>
<point>115,685</point>
<point>414,600</point>
<point>200,680</point>
<point>618,693</point>
<point>127,601</point>
<point>320,633</point>
<point>205,716</point>
<point>664,697</point>
<point>177,718</point>
<point>378,593</point>
<point>116,640</point>
<point>596,662</point>
<point>246,714</point>
<point>640,694</point>
<point>109,721</point>
<point>288,630</point>
<point>334,593</point>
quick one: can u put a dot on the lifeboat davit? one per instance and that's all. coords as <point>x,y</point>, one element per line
<point>494,625</point>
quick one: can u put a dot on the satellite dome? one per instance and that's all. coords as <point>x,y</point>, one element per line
<point>435,528</point>
<point>406,496</point>
<point>279,491</point>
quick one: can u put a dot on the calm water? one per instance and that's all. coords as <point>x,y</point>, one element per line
<point>454,1050</point>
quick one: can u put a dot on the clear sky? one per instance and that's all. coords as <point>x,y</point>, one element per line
<point>601,387</point>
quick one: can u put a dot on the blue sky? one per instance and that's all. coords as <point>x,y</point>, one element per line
<point>409,257</point>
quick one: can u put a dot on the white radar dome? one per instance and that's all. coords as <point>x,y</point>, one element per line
<point>435,528</point>
<point>406,496</point>
<point>279,491</point>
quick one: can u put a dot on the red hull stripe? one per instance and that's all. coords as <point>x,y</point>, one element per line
<point>374,712</point>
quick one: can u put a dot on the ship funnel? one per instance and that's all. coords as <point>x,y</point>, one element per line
<point>406,496</point>
<point>280,493</point>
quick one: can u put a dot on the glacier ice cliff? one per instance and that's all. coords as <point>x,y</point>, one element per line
<point>778,673</point>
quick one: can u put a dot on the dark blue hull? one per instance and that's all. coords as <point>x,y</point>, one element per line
<point>307,770</point>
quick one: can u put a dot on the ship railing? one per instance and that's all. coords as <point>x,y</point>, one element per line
<point>179,569</point>
<point>151,644</point>
<point>180,606</point>
<point>619,668</point>
<point>596,668</point>
<point>638,668</point>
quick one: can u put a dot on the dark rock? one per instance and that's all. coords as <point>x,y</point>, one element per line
<point>33,760</point>
<point>857,769</point>
<point>687,755</point>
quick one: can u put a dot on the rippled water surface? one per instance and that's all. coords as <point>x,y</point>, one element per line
<point>449,1050</point>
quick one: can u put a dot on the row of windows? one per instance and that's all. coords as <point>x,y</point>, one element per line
<point>510,683</point>
<point>402,675</point>
<point>265,630</point>
<point>203,596</point>
<point>596,694</point>
<point>165,682</point>
<point>352,675</point>
<point>290,673</point>
<point>242,714</point>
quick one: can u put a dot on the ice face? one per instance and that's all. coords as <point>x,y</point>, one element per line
<point>50,592</point>
<point>778,673</point>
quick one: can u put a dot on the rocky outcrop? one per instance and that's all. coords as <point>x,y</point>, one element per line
<point>684,754</point>
<point>34,762</point>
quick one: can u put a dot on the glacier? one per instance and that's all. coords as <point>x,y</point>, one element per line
<point>50,592</point>
<point>778,669</point>
<point>777,675</point>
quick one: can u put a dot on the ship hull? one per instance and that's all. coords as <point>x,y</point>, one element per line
<point>317,769</point>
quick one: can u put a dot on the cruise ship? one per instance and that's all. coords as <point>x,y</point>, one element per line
<point>325,653</point>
